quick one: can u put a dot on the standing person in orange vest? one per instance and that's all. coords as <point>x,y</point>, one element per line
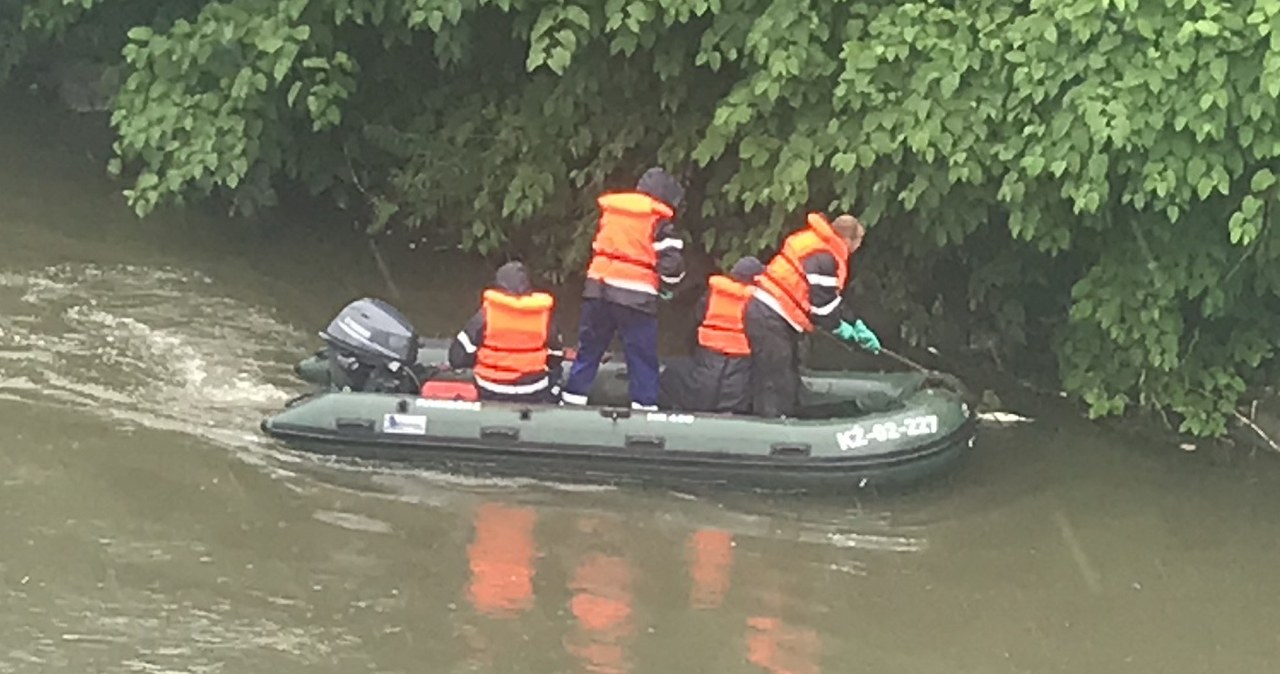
<point>512,344</point>
<point>636,258</point>
<point>718,375</point>
<point>800,288</point>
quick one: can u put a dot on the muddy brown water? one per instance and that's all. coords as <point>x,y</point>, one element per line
<point>148,527</point>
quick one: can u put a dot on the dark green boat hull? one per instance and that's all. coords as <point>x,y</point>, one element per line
<point>893,430</point>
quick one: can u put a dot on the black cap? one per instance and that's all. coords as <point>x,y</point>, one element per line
<point>746,269</point>
<point>512,278</point>
<point>659,184</point>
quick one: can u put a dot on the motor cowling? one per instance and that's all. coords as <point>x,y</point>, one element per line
<point>372,347</point>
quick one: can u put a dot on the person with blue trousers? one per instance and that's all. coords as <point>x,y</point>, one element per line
<point>636,258</point>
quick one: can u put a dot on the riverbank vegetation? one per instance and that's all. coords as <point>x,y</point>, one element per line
<point>1094,177</point>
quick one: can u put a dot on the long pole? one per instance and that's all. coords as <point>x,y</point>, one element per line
<point>892,354</point>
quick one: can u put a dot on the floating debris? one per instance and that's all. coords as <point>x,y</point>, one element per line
<point>1003,417</point>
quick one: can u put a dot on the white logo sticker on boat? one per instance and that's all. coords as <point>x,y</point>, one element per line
<point>435,403</point>
<point>669,418</point>
<point>884,431</point>
<point>404,424</point>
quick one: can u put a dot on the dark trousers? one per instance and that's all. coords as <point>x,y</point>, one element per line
<point>775,362</point>
<point>602,320</point>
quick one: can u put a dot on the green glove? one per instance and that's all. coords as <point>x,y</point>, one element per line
<point>865,337</point>
<point>845,332</point>
<point>665,295</point>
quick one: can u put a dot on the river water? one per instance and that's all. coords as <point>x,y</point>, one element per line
<point>149,527</point>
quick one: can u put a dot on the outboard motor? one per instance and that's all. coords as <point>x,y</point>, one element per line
<point>372,347</point>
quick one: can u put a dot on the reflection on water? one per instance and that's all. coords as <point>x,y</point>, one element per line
<point>780,647</point>
<point>602,610</point>
<point>710,555</point>
<point>502,557</point>
<point>601,589</point>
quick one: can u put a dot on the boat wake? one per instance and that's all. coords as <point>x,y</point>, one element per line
<point>147,347</point>
<point>161,349</point>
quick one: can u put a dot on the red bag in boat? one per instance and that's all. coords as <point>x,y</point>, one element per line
<point>450,390</point>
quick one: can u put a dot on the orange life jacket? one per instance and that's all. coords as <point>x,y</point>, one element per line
<point>784,279</point>
<point>622,253</point>
<point>722,329</point>
<point>516,330</point>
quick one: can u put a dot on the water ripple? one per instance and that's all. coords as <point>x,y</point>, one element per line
<point>144,346</point>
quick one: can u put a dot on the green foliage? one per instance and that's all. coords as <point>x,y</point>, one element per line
<point>54,17</point>
<point>13,43</point>
<point>1105,164</point>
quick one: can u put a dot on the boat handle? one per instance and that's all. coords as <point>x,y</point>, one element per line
<point>652,441</point>
<point>789,449</point>
<point>353,423</point>
<point>616,413</point>
<point>505,432</point>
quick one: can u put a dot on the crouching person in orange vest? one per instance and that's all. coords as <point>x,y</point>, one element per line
<point>717,378</point>
<point>512,344</point>
<point>801,288</point>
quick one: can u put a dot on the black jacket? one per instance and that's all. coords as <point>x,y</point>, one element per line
<point>825,293</point>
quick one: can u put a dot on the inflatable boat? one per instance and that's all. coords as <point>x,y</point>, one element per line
<point>853,429</point>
